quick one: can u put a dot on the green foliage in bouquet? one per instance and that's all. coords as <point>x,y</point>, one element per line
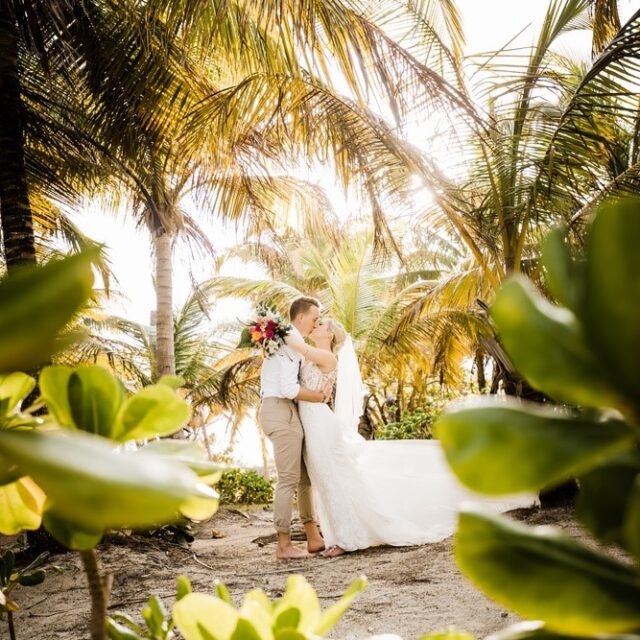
<point>583,352</point>
<point>244,486</point>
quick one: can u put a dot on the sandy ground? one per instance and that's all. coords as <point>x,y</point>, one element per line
<point>411,590</point>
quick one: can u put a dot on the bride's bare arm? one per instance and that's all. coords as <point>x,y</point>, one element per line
<point>323,358</point>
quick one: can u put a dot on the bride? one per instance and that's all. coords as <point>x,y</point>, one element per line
<point>369,493</point>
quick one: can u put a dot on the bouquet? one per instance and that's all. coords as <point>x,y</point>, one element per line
<point>266,332</point>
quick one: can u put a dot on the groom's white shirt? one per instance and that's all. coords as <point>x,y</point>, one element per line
<point>279,374</point>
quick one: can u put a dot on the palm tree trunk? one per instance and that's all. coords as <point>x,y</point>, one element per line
<point>165,354</point>
<point>15,212</point>
<point>480,370</point>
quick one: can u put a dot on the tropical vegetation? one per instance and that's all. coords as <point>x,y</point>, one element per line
<point>358,153</point>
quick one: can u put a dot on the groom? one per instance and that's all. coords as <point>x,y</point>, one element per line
<point>278,417</point>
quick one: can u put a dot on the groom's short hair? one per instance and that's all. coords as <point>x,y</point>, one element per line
<point>302,305</point>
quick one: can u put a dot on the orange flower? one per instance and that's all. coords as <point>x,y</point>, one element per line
<point>256,335</point>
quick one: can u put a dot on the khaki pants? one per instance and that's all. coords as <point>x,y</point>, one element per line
<point>278,418</point>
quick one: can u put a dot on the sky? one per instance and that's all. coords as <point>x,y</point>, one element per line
<point>489,24</point>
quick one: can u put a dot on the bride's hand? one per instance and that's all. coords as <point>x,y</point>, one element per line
<point>327,390</point>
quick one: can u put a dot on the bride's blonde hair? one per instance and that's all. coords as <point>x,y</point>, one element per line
<point>339,334</point>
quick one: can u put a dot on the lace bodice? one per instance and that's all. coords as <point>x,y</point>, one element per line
<point>312,378</point>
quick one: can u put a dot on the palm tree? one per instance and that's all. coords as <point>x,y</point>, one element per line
<point>560,138</point>
<point>63,60</point>
<point>369,293</point>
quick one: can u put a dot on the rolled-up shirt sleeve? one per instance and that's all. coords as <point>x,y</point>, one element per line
<point>289,385</point>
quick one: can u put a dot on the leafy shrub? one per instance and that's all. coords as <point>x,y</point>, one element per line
<point>240,486</point>
<point>414,425</point>
<point>56,468</point>
<point>582,352</point>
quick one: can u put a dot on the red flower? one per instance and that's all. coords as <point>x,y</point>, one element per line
<point>269,333</point>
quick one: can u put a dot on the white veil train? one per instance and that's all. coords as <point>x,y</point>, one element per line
<point>350,390</point>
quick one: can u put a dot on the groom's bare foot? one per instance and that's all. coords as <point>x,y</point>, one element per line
<point>290,552</point>
<point>333,552</point>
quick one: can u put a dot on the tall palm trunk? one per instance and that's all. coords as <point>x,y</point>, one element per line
<point>165,354</point>
<point>15,211</point>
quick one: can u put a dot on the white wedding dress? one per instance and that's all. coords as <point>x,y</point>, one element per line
<point>369,493</point>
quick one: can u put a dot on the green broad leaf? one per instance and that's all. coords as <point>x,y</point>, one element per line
<point>9,472</point>
<point>332,615</point>
<point>71,535</point>
<point>259,597</point>
<point>197,611</point>
<point>255,621</point>
<point>300,594</point>
<point>289,634</point>
<point>91,485</point>
<point>21,505</point>
<point>548,347</point>
<point>557,576</point>
<point>14,388</point>
<point>289,618</point>
<point>155,615</point>
<point>245,630</point>
<point>32,578</point>
<point>183,587</point>
<point>448,635</point>
<point>631,525</point>
<point>200,507</point>
<point>54,389</point>
<point>95,397</point>
<point>603,499</point>
<point>153,411</point>
<point>560,270</point>
<point>127,621</point>
<point>611,309</point>
<point>117,631</point>
<point>173,382</point>
<point>190,454</point>
<point>35,305</point>
<point>538,631</point>
<point>481,438</point>
<point>222,592</point>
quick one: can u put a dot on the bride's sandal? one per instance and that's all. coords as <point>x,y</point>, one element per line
<point>333,552</point>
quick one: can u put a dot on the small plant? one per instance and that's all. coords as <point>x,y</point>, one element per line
<point>414,425</point>
<point>10,578</point>
<point>197,616</point>
<point>158,621</point>
<point>582,352</point>
<point>240,486</point>
<point>295,616</point>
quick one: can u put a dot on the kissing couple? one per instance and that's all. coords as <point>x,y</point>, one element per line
<point>365,493</point>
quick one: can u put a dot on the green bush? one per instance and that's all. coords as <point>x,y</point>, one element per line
<point>240,486</point>
<point>417,424</point>
<point>64,469</point>
<point>582,352</point>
